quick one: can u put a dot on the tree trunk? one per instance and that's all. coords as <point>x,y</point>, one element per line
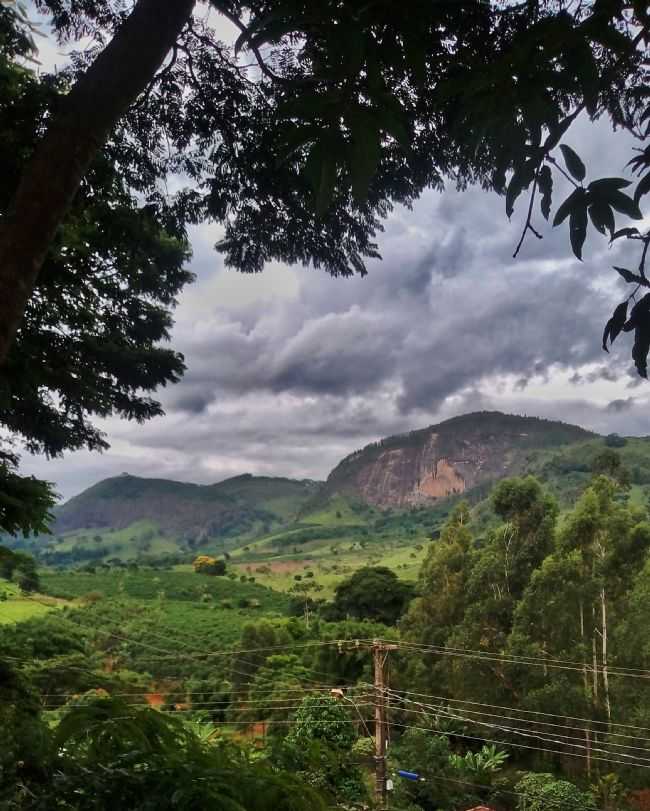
<point>594,652</point>
<point>586,685</point>
<point>603,604</point>
<point>88,113</point>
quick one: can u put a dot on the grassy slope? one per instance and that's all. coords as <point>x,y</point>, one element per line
<point>19,607</point>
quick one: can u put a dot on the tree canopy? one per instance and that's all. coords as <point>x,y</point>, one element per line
<point>374,593</point>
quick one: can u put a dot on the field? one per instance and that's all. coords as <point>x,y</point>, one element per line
<point>17,607</point>
<point>327,566</point>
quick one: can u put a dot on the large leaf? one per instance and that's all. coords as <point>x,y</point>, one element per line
<point>578,229</point>
<point>575,200</point>
<point>615,325</point>
<point>573,163</point>
<point>602,217</point>
<point>642,345</point>
<point>603,186</point>
<point>625,232</point>
<point>521,179</point>
<point>626,205</point>
<point>639,311</point>
<point>632,278</point>
<point>642,188</point>
<point>557,131</point>
<point>545,183</point>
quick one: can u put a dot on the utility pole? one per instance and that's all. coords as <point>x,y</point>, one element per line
<point>379,656</point>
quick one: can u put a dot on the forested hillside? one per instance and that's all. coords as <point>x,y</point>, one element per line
<point>515,663</point>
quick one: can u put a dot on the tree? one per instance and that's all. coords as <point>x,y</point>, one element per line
<point>319,749</point>
<point>442,582</point>
<point>204,564</point>
<point>349,108</point>
<point>608,463</point>
<point>89,339</point>
<point>541,791</point>
<point>374,593</point>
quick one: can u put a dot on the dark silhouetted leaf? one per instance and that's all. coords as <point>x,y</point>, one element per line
<point>638,162</point>
<point>625,232</point>
<point>605,184</point>
<point>642,345</point>
<point>602,217</point>
<point>556,132</point>
<point>521,179</point>
<point>626,205</point>
<point>578,229</point>
<point>615,325</point>
<point>639,311</point>
<point>632,278</point>
<point>545,183</point>
<point>573,163</point>
<point>642,188</point>
<point>575,199</point>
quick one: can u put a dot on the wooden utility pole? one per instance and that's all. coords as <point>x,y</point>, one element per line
<point>379,655</point>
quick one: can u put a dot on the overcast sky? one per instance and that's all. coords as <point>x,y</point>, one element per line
<point>290,370</point>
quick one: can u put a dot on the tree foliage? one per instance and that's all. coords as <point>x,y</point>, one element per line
<point>373,593</point>
<point>204,564</point>
<point>109,754</point>
<point>349,110</point>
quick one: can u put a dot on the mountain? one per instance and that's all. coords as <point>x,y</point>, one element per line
<point>394,494</point>
<point>443,460</point>
<point>237,506</point>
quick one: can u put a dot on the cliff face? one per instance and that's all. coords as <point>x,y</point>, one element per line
<point>446,459</point>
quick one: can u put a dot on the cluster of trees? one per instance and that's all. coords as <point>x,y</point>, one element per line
<point>19,567</point>
<point>534,592</point>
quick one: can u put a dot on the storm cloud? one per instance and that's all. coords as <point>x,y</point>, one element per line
<point>290,370</point>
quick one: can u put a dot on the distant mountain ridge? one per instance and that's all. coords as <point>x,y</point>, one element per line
<point>235,506</point>
<point>413,469</point>
<point>405,470</point>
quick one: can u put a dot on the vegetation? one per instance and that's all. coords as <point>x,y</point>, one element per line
<point>204,564</point>
<point>372,593</point>
<point>151,687</point>
<point>520,623</point>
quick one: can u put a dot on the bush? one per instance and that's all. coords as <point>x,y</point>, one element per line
<point>615,441</point>
<point>540,791</point>
<point>204,564</point>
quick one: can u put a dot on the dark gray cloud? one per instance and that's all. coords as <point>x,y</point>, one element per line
<point>290,370</point>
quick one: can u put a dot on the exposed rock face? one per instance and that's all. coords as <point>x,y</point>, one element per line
<point>443,460</point>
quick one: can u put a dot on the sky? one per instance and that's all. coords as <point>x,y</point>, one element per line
<point>291,370</point>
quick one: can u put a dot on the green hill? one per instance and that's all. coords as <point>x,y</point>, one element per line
<point>380,504</point>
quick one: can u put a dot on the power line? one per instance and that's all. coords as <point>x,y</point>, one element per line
<point>544,737</point>
<point>422,647</point>
<point>517,745</point>
<point>526,712</point>
<point>531,721</point>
